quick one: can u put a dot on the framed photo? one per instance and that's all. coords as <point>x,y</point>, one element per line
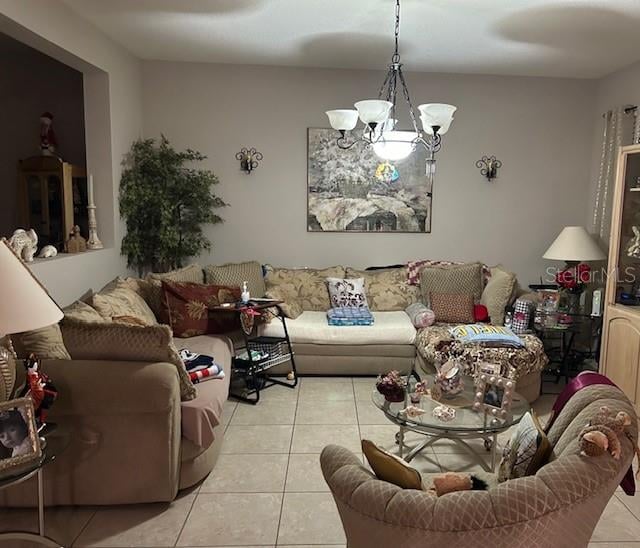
<point>19,441</point>
<point>494,394</point>
<point>356,191</point>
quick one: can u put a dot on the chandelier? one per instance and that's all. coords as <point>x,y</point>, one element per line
<point>380,119</point>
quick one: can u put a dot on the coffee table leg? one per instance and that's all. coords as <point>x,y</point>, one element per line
<point>400,440</point>
<point>40,503</point>
<point>493,452</point>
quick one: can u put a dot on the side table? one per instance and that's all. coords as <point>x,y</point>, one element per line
<point>275,350</point>
<point>565,352</point>
<point>56,441</point>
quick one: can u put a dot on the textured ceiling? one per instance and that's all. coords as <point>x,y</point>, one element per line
<point>574,38</point>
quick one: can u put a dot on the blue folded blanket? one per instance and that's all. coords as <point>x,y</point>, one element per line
<point>349,315</point>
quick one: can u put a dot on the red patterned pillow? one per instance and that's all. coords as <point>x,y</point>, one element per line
<point>186,308</point>
<point>452,307</point>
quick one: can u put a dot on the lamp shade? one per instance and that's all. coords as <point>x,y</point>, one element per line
<point>373,110</point>
<point>436,115</point>
<point>395,145</point>
<point>24,303</point>
<point>343,119</point>
<point>574,244</point>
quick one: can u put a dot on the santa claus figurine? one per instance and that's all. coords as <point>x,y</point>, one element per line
<point>48,141</point>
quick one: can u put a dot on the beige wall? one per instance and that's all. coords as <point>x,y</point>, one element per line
<point>540,128</point>
<point>113,120</point>
<point>33,83</point>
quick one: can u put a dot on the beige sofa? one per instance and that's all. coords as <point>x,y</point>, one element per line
<point>559,506</point>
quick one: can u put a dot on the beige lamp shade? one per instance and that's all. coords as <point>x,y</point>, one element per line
<point>574,244</point>
<point>24,303</point>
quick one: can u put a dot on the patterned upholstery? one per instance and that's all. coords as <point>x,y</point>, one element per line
<point>234,274</point>
<point>559,506</point>
<point>302,288</point>
<point>387,290</point>
<point>466,278</point>
<point>436,343</point>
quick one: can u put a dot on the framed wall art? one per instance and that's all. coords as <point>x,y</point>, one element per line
<point>355,191</point>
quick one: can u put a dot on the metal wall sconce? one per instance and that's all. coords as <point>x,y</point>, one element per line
<point>249,158</point>
<point>489,166</point>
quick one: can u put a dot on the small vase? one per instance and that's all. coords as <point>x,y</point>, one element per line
<point>572,302</point>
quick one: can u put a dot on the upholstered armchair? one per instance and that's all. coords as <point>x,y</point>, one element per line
<point>559,506</point>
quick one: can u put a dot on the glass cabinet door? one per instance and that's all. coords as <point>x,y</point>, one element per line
<point>628,282</point>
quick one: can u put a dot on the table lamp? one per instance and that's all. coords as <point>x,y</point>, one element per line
<point>574,245</point>
<point>24,303</point>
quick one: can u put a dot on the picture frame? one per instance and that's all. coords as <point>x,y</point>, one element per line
<point>19,441</point>
<point>493,394</point>
<point>355,191</point>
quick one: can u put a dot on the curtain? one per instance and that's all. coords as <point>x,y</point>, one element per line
<point>621,127</point>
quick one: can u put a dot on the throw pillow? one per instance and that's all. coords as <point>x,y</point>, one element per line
<point>122,301</point>
<point>345,292</point>
<point>82,312</point>
<point>388,467</point>
<point>414,267</point>
<point>387,290</point>
<point>187,308</point>
<point>452,307</point>
<point>150,289</point>
<point>496,296</point>
<point>460,279</point>
<point>308,286</point>
<point>234,274</point>
<point>528,450</point>
<point>486,335</point>
<point>420,315</point>
<point>125,342</point>
<point>290,305</point>
<point>46,343</point>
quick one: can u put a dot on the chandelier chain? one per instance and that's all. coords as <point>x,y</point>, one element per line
<point>396,54</point>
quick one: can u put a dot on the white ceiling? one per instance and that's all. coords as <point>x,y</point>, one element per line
<point>574,38</point>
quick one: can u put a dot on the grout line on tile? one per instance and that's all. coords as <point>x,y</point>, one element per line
<point>82,529</point>
<point>184,523</point>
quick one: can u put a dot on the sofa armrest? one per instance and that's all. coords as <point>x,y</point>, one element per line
<point>103,387</point>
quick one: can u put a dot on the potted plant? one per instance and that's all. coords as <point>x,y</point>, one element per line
<point>165,202</point>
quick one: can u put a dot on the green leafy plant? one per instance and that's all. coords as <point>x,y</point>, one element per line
<point>165,202</point>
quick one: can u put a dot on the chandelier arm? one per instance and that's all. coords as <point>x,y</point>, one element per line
<point>405,91</point>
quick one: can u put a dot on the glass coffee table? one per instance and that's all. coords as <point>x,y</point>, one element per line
<point>467,424</point>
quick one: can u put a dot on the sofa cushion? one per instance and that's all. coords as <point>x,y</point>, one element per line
<point>124,342</point>
<point>466,279</point>
<point>82,312</point>
<point>151,287</point>
<point>305,287</point>
<point>290,304</point>
<point>312,327</point>
<point>45,343</point>
<point>236,273</point>
<point>527,451</point>
<point>202,414</point>
<point>186,307</point>
<point>387,290</point>
<point>498,293</point>
<point>121,300</point>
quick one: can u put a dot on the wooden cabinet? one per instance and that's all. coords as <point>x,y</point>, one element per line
<point>620,357</point>
<point>53,198</point>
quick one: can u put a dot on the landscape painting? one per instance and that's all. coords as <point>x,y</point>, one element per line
<point>355,191</point>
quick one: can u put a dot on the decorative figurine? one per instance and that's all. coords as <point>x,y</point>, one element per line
<point>48,141</point>
<point>634,246</point>
<point>76,243</point>
<point>391,386</point>
<point>449,380</point>
<point>24,244</point>
<point>47,252</point>
<point>94,241</point>
<point>39,388</point>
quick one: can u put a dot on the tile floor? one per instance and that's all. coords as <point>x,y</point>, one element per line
<point>267,489</point>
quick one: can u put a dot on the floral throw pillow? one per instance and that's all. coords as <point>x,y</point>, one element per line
<point>345,292</point>
<point>187,308</point>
